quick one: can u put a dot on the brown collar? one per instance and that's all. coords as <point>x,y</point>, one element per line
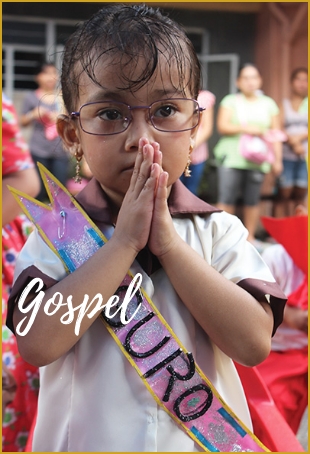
<point>181,201</point>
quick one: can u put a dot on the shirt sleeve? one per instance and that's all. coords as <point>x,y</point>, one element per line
<point>273,107</point>
<point>36,259</point>
<point>237,260</point>
<point>228,102</point>
<point>36,252</point>
<point>304,106</point>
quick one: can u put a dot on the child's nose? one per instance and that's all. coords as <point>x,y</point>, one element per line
<point>139,127</point>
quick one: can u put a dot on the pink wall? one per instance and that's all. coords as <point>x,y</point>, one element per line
<point>281,44</point>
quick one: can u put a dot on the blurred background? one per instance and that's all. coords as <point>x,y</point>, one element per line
<point>272,35</point>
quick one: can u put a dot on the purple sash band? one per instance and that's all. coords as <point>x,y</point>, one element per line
<point>166,368</point>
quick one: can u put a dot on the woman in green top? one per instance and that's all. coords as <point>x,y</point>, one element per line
<point>238,176</point>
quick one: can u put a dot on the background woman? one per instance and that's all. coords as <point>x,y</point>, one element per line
<point>20,382</point>
<point>200,153</point>
<point>293,182</point>
<point>237,175</point>
<point>40,110</point>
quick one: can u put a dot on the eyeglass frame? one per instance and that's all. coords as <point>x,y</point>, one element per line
<point>77,114</point>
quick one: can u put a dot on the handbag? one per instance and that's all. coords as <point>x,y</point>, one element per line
<point>257,149</point>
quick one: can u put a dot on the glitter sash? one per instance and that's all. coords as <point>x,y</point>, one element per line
<point>166,368</point>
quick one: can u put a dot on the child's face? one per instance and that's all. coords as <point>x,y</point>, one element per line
<point>111,158</point>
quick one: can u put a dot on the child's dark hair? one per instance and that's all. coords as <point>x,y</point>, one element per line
<point>128,32</point>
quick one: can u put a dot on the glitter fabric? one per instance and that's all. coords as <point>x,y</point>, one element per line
<point>168,370</point>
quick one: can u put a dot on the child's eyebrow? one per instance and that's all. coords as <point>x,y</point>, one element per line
<point>120,95</point>
<point>162,93</point>
<point>102,95</point>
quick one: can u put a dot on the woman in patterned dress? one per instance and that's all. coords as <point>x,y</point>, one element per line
<point>18,171</point>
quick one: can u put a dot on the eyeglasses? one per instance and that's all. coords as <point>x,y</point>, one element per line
<point>106,118</point>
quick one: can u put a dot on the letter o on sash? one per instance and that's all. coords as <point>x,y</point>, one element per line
<point>206,405</point>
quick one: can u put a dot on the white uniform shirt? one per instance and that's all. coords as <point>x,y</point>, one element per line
<point>91,399</point>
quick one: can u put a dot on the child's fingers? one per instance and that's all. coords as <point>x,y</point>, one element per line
<point>151,182</point>
<point>162,190</point>
<point>136,169</point>
<point>138,206</point>
<point>157,153</point>
<point>139,160</point>
<point>157,157</point>
<point>144,169</point>
<point>162,230</point>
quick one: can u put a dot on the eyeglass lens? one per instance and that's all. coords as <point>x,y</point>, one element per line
<point>111,117</point>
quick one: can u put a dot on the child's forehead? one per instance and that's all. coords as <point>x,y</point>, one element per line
<point>121,75</point>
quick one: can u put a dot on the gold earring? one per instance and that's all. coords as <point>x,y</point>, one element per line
<point>187,171</point>
<point>77,178</point>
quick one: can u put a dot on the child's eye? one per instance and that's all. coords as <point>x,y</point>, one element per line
<point>165,111</point>
<point>110,115</point>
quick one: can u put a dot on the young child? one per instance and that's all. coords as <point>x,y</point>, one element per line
<point>130,79</point>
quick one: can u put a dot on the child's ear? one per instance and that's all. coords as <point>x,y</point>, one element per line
<point>192,139</point>
<point>68,133</point>
<point>194,132</point>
